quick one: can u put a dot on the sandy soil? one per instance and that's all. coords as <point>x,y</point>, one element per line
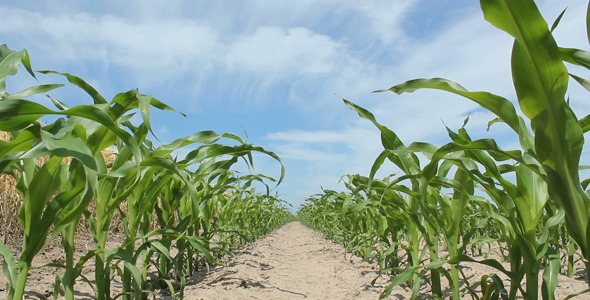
<point>293,262</point>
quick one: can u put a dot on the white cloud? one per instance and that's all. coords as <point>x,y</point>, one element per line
<point>301,136</point>
<point>385,17</point>
<point>309,50</point>
<point>163,48</point>
<point>471,52</point>
<point>297,152</point>
<point>276,50</point>
<point>156,50</point>
<point>324,156</point>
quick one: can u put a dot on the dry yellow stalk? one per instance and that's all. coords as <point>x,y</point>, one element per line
<point>11,200</point>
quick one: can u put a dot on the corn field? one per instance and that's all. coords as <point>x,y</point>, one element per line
<point>523,212</point>
<point>455,203</point>
<point>94,166</point>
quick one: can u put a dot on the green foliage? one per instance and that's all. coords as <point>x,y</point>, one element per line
<point>196,204</point>
<point>534,203</point>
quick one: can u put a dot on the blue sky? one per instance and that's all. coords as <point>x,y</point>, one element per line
<point>279,69</point>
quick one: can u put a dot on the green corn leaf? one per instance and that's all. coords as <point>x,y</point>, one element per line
<point>404,276</point>
<point>69,147</point>
<point>23,141</point>
<point>576,56</point>
<point>129,265</point>
<point>60,105</point>
<point>409,162</point>
<point>541,80</point>
<point>9,265</point>
<point>144,108</point>
<point>35,90</point>
<point>550,276</point>
<point>58,209</point>
<point>532,197</point>
<point>583,82</point>
<point>389,139</point>
<point>500,106</point>
<point>488,262</point>
<point>199,244</point>
<point>217,150</point>
<point>493,290</point>
<point>535,54</point>
<point>73,212</point>
<point>27,63</point>
<point>460,199</point>
<point>79,82</point>
<point>205,137</point>
<point>10,61</point>
<point>401,278</point>
<point>44,184</point>
<point>163,106</point>
<point>588,22</point>
<point>577,294</point>
<point>556,22</point>
<point>540,77</point>
<point>18,114</point>
<point>161,249</point>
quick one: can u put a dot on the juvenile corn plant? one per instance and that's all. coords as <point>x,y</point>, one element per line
<point>435,217</point>
<point>548,167</point>
<point>52,195</point>
<point>164,202</point>
<point>532,192</point>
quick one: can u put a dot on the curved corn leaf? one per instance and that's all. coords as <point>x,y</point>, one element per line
<point>500,106</point>
<point>79,82</point>
<point>9,264</point>
<point>550,276</point>
<point>35,90</point>
<point>576,56</point>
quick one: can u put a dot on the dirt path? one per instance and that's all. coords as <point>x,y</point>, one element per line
<point>294,262</point>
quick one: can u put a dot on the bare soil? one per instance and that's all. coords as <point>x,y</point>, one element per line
<point>294,262</point>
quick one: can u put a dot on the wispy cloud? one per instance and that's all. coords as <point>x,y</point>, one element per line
<point>272,50</point>
<point>169,47</point>
<point>297,57</point>
<point>316,137</point>
<point>273,44</point>
<point>470,51</point>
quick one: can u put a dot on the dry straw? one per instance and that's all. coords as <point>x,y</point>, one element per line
<point>11,200</point>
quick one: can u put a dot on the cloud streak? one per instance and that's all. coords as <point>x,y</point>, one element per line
<point>291,60</point>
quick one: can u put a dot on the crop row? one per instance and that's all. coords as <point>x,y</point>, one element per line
<point>452,203</point>
<point>179,213</point>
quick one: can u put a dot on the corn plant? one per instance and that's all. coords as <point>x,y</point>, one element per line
<point>431,214</point>
<point>549,165</point>
<point>164,202</point>
<point>528,212</point>
<point>51,196</point>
